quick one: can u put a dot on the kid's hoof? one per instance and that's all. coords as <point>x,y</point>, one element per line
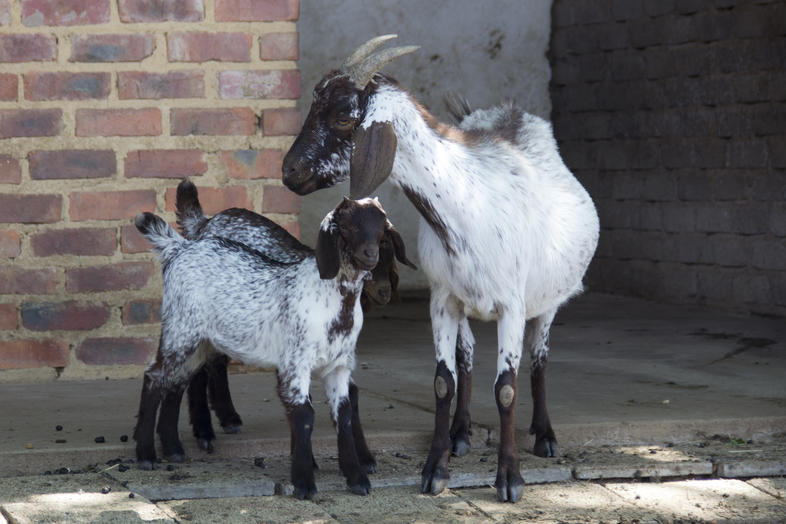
<point>369,465</point>
<point>436,482</point>
<point>232,429</point>
<point>176,458</point>
<point>461,446</point>
<point>510,486</point>
<point>305,492</point>
<point>545,447</point>
<point>362,487</point>
<point>146,465</point>
<point>205,445</point>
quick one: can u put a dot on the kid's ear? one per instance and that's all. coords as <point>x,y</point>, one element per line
<point>398,245</point>
<point>327,252</point>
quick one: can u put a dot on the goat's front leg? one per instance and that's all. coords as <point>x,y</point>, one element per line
<point>365,456</point>
<point>293,391</point>
<point>444,324</point>
<point>461,428</point>
<point>510,335</point>
<point>220,398</point>
<point>536,343</point>
<point>337,388</point>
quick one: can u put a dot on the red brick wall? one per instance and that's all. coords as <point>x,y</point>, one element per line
<point>104,106</point>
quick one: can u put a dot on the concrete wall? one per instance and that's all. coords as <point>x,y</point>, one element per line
<point>488,51</point>
<point>104,106</point>
<point>672,114</point>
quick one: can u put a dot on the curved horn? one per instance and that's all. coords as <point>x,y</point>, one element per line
<point>363,72</point>
<point>364,50</point>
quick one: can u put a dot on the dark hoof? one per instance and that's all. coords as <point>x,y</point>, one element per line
<point>146,465</point>
<point>205,445</point>
<point>461,446</point>
<point>232,429</point>
<point>436,482</point>
<point>369,465</point>
<point>305,491</point>
<point>361,487</point>
<point>177,458</point>
<point>510,486</point>
<point>545,447</point>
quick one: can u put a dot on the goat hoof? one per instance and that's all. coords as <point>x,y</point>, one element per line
<point>510,486</point>
<point>362,487</point>
<point>205,445</point>
<point>231,429</point>
<point>177,458</point>
<point>545,447</point>
<point>461,446</point>
<point>305,492</point>
<point>146,465</point>
<point>370,466</point>
<point>436,482</point>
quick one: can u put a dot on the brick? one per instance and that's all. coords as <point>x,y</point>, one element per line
<point>19,281</point>
<point>9,87</point>
<point>65,316</point>
<point>175,84</point>
<point>161,10</point>
<point>141,312</point>
<point>281,121</point>
<point>71,163</point>
<point>8,317</point>
<point>112,48</point>
<point>111,205</point>
<point>230,121</point>
<point>279,199</point>
<point>30,122</point>
<point>118,122</point>
<point>88,241</point>
<point>203,47</point>
<point>132,241</point>
<point>252,163</point>
<point>259,84</point>
<point>769,254</point>
<point>64,12</point>
<point>747,153</point>
<point>5,12</point>
<point>10,244</point>
<point>215,199</point>
<point>778,218</point>
<point>25,354</point>
<point>10,170</point>
<point>165,163</point>
<point>278,46</point>
<point>752,289</point>
<point>255,11</point>
<point>27,48</point>
<point>30,209</point>
<point>116,351</point>
<point>115,277</point>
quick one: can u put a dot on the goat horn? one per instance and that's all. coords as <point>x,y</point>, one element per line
<point>364,50</point>
<point>363,72</point>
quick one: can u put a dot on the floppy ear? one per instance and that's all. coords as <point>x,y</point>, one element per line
<point>398,245</point>
<point>393,276</point>
<point>372,159</point>
<point>328,257</point>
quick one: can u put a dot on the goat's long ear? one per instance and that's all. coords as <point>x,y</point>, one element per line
<point>398,245</point>
<point>328,256</point>
<point>372,158</point>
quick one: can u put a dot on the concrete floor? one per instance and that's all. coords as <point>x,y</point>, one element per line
<point>622,371</point>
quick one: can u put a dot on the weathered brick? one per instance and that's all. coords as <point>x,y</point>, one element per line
<point>71,163</point>
<point>749,288</point>
<point>81,242</point>
<point>229,121</point>
<point>116,351</point>
<point>778,218</point>
<point>132,241</point>
<point>112,48</point>
<point>215,199</point>
<point>30,209</point>
<point>252,163</point>
<point>30,122</point>
<point>10,244</point>
<point>255,11</point>
<point>175,84</point>
<point>24,354</point>
<point>203,47</point>
<point>278,46</point>
<point>161,10</point>
<point>66,316</point>
<point>64,12</point>
<point>115,277</point>
<point>279,199</point>
<point>10,170</point>
<point>9,87</point>
<point>281,121</point>
<point>27,48</point>
<point>5,12</point>
<point>141,312</point>
<point>259,84</point>
<point>19,281</point>
<point>769,254</point>
<point>118,122</point>
<point>627,9</point>
<point>750,152</point>
<point>777,149</point>
<point>111,205</point>
<point>9,318</point>
<point>165,163</point>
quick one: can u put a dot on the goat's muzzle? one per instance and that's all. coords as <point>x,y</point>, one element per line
<point>366,257</point>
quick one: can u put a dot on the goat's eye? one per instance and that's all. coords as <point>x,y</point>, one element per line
<point>343,123</point>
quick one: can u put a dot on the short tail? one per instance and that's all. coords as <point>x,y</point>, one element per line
<point>165,240</point>
<point>189,212</point>
<point>457,106</point>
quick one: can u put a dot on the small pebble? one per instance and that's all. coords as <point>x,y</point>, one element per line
<point>47,472</point>
<point>123,438</point>
<point>131,495</point>
<point>100,440</point>
<point>259,462</point>
<point>175,477</point>
<point>105,490</point>
<point>29,446</point>
<point>483,459</point>
<point>170,467</point>
<point>58,428</point>
<point>122,467</point>
<point>60,441</point>
<point>63,471</point>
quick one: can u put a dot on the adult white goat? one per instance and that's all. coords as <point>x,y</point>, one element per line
<point>506,233</point>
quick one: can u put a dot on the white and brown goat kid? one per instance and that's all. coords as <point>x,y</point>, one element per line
<point>300,316</point>
<point>506,232</point>
<point>262,234</point>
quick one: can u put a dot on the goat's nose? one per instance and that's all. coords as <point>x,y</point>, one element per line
<point>370,253</point>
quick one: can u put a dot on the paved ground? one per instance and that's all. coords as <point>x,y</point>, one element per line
<point>662,413</point>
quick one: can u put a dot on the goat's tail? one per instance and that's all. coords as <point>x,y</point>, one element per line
<point>189,212</point>
<point>165,240</point>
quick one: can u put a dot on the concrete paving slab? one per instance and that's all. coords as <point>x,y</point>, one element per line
<point>629,462</point>
<point>705,500</point>
<point>248,510</point>
<point>772,486</point>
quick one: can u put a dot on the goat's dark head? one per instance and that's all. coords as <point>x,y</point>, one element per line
<point>353,233</point>
<point>333,145</point>
<point>383,284</point>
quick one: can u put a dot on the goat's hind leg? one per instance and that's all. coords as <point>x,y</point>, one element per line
<point>536,343</point>
<point>461,429</point>
<point>337,387</point>
<point>144,433</point>
<point>220,398</point>
<point>199,411</point>
<point>168,423</point>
